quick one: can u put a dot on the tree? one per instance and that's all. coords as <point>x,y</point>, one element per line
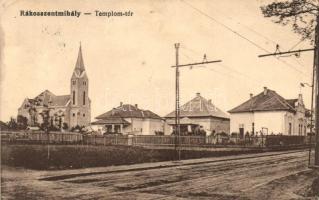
<point>300,14</point>
<point>65,126</point>
<point>12,124</point>
<point>22,122</point>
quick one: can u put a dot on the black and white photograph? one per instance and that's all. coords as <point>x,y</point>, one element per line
<point>159,99</point>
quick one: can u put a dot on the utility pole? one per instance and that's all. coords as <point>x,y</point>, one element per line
<point>315,87</point>
<point>177,111</point>
<point>177,95</point>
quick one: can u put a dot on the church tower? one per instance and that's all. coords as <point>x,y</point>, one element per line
<point>80,108</point>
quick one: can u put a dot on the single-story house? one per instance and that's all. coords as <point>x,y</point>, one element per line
<point>199,114</point>
<point>129,119</point>
<point>269,113</point>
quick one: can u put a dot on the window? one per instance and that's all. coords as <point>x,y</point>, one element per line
<point>289,129</point>
<point>84,82</point>
<point>83,114</point>
<point>73,114</point>
<point>73,82</point>
<point>73,97</point>
<point>83,97</point>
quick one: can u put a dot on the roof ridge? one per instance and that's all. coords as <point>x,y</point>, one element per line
<point>285,102</point>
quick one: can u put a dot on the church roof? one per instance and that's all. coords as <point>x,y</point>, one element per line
<point>48,98</point>
<point>268,100</point>
<point>199,107</point>
<point>60,100</point>
<point>128,111</point>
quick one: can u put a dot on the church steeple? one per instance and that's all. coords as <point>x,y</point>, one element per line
<point>79,66</point>
<point>80,113</point>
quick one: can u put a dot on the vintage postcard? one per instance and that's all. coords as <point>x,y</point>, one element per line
<point>161,99</point>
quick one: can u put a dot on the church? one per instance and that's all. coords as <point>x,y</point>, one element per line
<point>65,111</point>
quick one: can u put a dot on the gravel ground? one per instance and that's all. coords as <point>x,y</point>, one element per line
<point>283,176</point>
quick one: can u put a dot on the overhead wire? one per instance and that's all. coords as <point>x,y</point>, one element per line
<point>241,36</point>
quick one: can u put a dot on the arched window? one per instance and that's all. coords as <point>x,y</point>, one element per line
<point>83,97</point>
<point>73,96</point>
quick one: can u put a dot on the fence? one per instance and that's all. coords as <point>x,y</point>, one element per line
<point>41,137</point>
<point>154,140</point>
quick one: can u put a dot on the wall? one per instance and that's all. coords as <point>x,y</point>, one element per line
<point>275,121</point>
<point>154,125</point>
<point>241,118</point>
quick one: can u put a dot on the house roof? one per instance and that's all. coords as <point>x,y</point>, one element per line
<point>199,107</point>
<point>128,111</point>
<point>292,102</point>
<point>266,101</point>
<point>111,121</point>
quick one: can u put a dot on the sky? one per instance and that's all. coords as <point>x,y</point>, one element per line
<point>129,59</point>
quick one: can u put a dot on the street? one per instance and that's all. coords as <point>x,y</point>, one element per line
<point>281,175</point>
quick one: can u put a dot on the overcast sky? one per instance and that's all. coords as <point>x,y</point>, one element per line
<point>128,59</point>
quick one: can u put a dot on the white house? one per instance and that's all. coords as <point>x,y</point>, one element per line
<point>199,113</point>
<point>129,119</point>
<point>269,113</point>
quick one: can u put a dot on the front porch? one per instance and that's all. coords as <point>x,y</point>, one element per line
<point>112,125</point>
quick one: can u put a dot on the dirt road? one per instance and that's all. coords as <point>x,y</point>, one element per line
<point>282,176</point>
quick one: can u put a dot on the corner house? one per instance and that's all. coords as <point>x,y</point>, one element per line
<point>269,113</point>
<point>199,114</point>
<point>129,119</point>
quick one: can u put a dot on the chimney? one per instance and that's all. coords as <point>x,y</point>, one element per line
<point>300,101</point>
<point>209,101</point>
<point>197,94</point>
<point>136,106</point>
<point>113,111</point>
<point>265,90</point>
<point>121,103</point>
<point>251,95</point>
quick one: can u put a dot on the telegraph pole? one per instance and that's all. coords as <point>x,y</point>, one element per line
<point>315,88</point>
<point>177,111</point>
<point>177,95</point>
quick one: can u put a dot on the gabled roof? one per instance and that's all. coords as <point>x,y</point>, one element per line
<point>199,107</point>
<point>128,111</point>
<point>265,101</point>
<point>48,98</point>
<point>44,98</point>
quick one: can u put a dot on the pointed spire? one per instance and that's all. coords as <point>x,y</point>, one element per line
<point>79,66</point>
